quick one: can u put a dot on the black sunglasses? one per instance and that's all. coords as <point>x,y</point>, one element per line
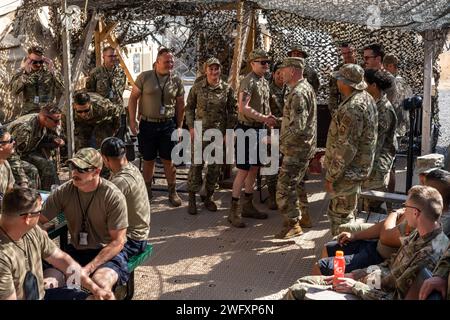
<point>263,62</point>
<point>83,111</point>
<point>80,170</point>
<point>37,61</point>
<point>11,140</point>
<point>31,213</point>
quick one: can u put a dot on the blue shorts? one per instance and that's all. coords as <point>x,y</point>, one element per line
<point>156,138</point>
<point>358,254</point>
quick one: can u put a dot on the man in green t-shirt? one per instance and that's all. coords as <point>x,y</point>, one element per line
<point>23,245</point>
<point>96,214</point>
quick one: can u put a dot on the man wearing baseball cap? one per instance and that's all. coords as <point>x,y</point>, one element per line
<point>96,214</point>
<point>350,148</point>
<point>298,138</point>
<point>308,73</point>
<point>211,101</point>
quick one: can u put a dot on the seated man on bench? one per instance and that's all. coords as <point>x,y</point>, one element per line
<point>96,214</point>
<point>393,278</point>
<point>129,180</point>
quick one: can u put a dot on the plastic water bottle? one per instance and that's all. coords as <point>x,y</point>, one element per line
<point>338,266</point>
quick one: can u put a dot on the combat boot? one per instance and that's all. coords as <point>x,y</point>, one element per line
<point>192,208</point>
<point>209,203</point>
<point>174,199</point>
<point>149,190</point>
<point>272,200</point>
<point>292,229</point>
<point>305,221</point>
<point>234,217</point>
<point>249,210</point>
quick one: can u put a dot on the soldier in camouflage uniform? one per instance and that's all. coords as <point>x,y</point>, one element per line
<point>308,73</point>
<point>7,144</point>
<point>95,117</point>
<point>440,280</point>
<point>37,80</point>
<point>212,102</point>
<point>377,82</point>
<point>348,56</point>
<point>390,63</point>
<point>254,113</point>
<point>297,144</point>
<point>350,148</point>
<point>35,136</point>
<point>108,80</point>
<point>392,278</point>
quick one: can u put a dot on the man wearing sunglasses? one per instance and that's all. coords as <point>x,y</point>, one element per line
<point>35,136</point>
<point>108,80</point>
<point>95,117</point>
<point>97,219</point>
<point>37,80</point>
<point>23,245</point>
<point>7,143</point>
<point>308,73</point>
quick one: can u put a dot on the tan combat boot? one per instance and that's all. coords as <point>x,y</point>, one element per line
<point>249,210</point>
<point>272,200</point>
<point>234,217</point>
<point>292,229</point>
<point>305,221</point>
<point>149,190</point>
<point>209,203</point>
<point>192,208</point>
<point>174,199</point>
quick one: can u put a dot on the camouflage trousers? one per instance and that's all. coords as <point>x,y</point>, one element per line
<point>377,181</point>
<point>46,169</point>
<point>87,136</point>
<point>195,181</point>
<point>342,206</point>
<point>31,173</point>
<point>290,187</point>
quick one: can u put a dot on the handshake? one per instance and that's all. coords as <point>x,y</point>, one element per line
<point>271,121</point>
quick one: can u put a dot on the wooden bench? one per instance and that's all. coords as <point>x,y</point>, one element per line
<point>380,196</point>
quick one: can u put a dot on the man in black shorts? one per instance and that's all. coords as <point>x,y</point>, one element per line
<point>161,98</point>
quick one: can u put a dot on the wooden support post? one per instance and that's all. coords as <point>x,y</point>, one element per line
<point>427,76</point>
<point>251,38</point>
<point>67,81</point>
<point>107,31</point>
<point>98,45</point>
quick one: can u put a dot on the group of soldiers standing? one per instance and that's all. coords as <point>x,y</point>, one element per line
<point>364,118</point>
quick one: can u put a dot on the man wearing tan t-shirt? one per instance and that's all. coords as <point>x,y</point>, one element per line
<point>23,245</point>
<point>161,98</point>
<point>129,180</point>
<point>96,214</point>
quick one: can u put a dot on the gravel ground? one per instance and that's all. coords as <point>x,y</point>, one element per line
<point>444,119</point>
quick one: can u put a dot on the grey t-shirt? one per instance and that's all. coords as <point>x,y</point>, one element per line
<point>107,211</point>
<point>130,181</point>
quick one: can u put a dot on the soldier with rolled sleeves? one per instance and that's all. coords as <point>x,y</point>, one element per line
<point>212,102</point>
<point>377,82</point>
<point>35,135</point>
<point>95,118</point>
<point>350,147</point>
<point>161,98</point>
<point>37,80</point>
<point>348,54</point>
<point>298,139</point>
<point>253,114</point>
<point>308,73</point>
<point>108,80</point>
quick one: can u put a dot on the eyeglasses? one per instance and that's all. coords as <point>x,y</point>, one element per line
<point>37,61</point>
<point>83,111</point>
<point>31,213</point>
<point>53,120</point>
<point>368,57</point>
<point>11,140</point>
<point>412,207</point>
<point>112,56</point>
<point>263,62</point>
<point>80,170</point>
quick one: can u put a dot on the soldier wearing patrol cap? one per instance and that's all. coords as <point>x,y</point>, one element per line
<point>254,113</point>
<point>211,101</point>
<point>350,148</point>
<point>298,138</point>
<point>35,135</point>
<point>37,80</point>
<point>308,73</point>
